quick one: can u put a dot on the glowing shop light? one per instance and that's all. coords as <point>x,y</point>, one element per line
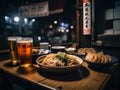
<point>55,22</point>
<point>71,27</point>
<point>33,20</point>
<point>25,20</point>
<point>16,19</point>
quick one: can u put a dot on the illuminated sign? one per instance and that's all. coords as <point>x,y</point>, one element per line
<point>86,17</point>
<point>35,10</point>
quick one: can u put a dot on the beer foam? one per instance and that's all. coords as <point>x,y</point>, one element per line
<point>13,38</point>
<point>25,41</point>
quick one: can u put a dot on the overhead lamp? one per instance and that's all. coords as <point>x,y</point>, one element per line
<point>55,22</point>
<point>16,19</point>
<point>72,27</point>
<point>33,20</point>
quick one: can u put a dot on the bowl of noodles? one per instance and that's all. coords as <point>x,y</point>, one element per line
<point>59,62</point>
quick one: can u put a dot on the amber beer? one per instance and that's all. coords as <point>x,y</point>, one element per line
<point>25,51</point>
<point>13,49</point>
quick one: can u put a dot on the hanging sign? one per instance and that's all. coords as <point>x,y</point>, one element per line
<point>39,9</point>
<point>35,10</point>
<point>86,17</point>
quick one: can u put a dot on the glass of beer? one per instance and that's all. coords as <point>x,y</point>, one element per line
<point>13,49</point>
<point>24,47</point>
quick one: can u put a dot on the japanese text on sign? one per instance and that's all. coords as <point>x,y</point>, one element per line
<point>86,17</point>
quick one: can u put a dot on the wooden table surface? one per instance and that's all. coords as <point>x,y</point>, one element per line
<point>86,78</point>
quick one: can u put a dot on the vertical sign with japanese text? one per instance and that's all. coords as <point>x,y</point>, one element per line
<point>86,17</point>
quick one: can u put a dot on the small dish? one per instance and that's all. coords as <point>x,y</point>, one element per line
<point>56,49</point>
<point>70,50</point>
<point>40,53</point>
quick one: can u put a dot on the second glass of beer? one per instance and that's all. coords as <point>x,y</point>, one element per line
<point>13,49</point>
<point>24,47</point>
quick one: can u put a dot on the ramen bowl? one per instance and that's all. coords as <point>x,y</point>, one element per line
<point>59,69</point>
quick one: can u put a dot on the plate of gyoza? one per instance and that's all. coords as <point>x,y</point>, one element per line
<point>59,62</point>
<point>99,59</point>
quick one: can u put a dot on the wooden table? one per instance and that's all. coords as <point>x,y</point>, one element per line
<point>86,78</point>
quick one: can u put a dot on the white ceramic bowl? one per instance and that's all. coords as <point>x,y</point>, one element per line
<point>70,50</point>
<point>56,49</point>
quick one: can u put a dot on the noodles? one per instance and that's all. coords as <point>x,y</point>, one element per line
<point>59,59</point>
